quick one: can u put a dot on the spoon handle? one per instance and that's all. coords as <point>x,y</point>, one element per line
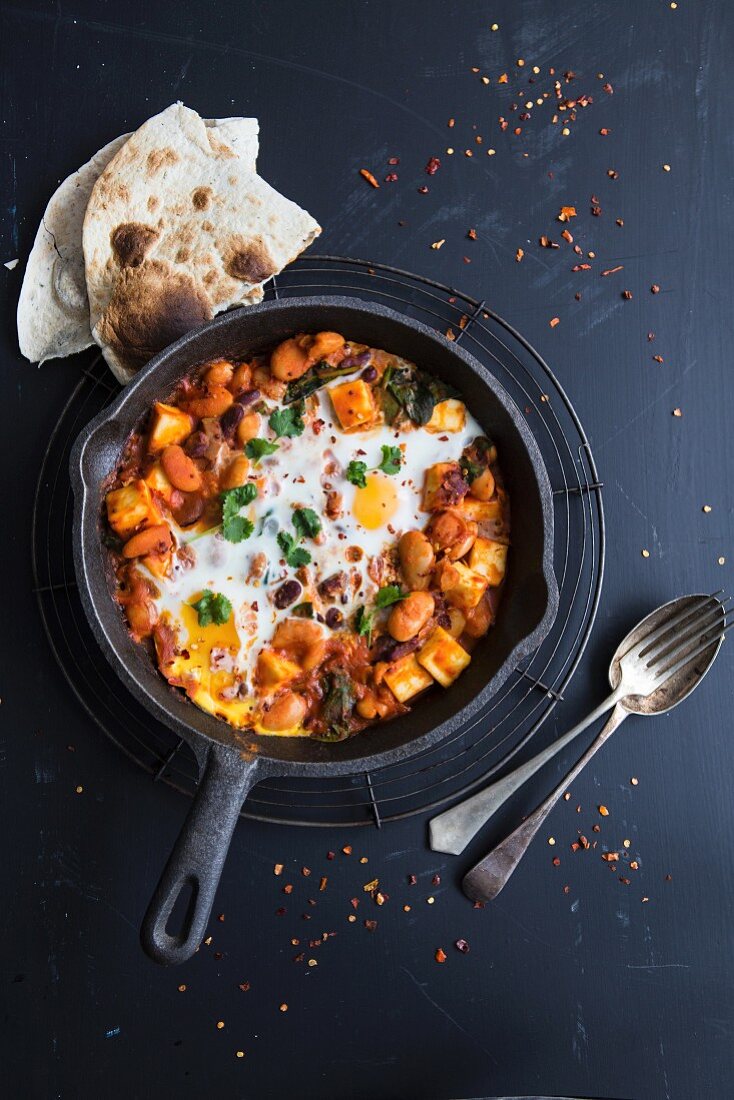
<point>452,830</point>
<point>488,877</point>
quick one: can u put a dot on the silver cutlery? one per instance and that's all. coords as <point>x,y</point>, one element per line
<point>660,662</point>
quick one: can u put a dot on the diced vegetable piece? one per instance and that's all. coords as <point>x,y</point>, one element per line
<point>462,587</point>
<point>274,670</point>
<point>406,678</point>
<point>156,480</point>
<point>448,416</point>
<point>131,507</point>
<point>443,657</point>
<point>481,510</point>
<point>489,559</point>
<point>353,403</point>
<point>443,487</point>
<point>159,564</point>
<point>170,425</point>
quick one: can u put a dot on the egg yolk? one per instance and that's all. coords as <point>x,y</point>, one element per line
<point>377,503</point>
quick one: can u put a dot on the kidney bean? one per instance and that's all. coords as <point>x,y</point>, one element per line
<point>383,648</point>
<point>334,618</point>
<point>196,445</point>
<point>247,397</point>
<point>369,374</point>
<point>230,419</point>
<point>188,510</point>
<point>403,649</point>
<point>356,361</point>
<point>287,594</point>
<point>333,586</point>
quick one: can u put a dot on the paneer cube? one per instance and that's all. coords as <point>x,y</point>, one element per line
<point>131,507</point>
<point>462,587</point>
<point>448,416</point>
<point>443,486</point>
<point>156,480</point>
<point>489,558</point>
<point>274,670</point>
<point>481,511</point>
<point>443,657</point>
<point>159,564</point>
<point>354,404</point>
<point>169,425</point>
<point>406,678</point>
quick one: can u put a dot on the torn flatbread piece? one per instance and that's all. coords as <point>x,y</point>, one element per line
<point>177,229</point>
<point>53,309</point>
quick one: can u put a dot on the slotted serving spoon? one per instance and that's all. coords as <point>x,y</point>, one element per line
<point>660,662</point>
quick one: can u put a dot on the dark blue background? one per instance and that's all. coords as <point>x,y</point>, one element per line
<point>592,992</point>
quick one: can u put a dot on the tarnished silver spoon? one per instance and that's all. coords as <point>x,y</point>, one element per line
<point>658,664</point>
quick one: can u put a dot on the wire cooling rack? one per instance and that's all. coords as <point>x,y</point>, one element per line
<point>459,764</point>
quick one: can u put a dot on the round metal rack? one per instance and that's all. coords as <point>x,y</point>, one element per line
<point>463,762</point>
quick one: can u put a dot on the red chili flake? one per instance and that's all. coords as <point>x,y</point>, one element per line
<point>607,88</point>
<point>624,881</point>
<point>502,79</point>
<point>451,123</point>
<point>381,898</point>
<point>658,358</point>
<point>581,267</point>
<point>305,872</point>
<point>369,177</point>
<point>556,861</point>
<point>280,912</point>
<point>311,901</point>
<point>354,903</point>
<point>605,131</point>
<point>331,855</point>
<point>619,222</point>
<point>566,889</point>
<point>577,297</point>
<point>519,255</point>
<point>567,236</point>
<point>654,289</point>
<point>347,849</point>
<point>299,957</point>
<point>650,337</point>
<point>634,865</point>
<point>579,251</point>
<point>370,925</point>
<point>463,946</point>
<point>393,160</point>
<point>432,166</point>
<point>322,884</point>
<point>472,234</point>
<point>668,878</point>
<point>554,321</point>
<point>436,880</point>
<point>583,842</point>
<point>596,211</point>
<point>423,190</point>
<point>613,174</point>
<point>278,869</point>
<point>466,259</point>
<point>412,879</point>
<point>478,905</point>
<point>546,242</point>
<point>221,918</point>
<point>244,986</point>
<point>288,888</point>
<point>305,916</point>
<point>567,212</point>
<point>440,955</point>
<point>575,846</point>
<point>517,130</point>
<point>610,857</point>
<point>612,270</point>
<point>391,177</point>
<point>627,295</point>
<point>596,828</point>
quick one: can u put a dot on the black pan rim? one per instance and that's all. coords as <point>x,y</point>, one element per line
<point>200,729</point>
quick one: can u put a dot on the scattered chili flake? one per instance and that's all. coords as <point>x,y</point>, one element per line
<point>546,242</point>
<point>567,236</point>
<point>654,289</point>
<point>331,855</point>
<point>668,878</point>
<point>604,811</point>
<point>567,796</point>
<point>439,244</point>
<point>612,173</point>
<point>369,177</point>
<point>567,212</point>
<point>220,1024</point>
<point>607,88</point>
<point>627,295</point>
<point>432,166</point>
<point>440,955</point>
<point>554,321</point>
<point>423,190</point>
<point>650,337</point>
<point>244,986</point>
<point>502,79</point>
<point>519,255</point>
<point>436,880</point>
<point>596,210</point>
<point>463,946</point>
<point>370,886</point>
<point>381,898</point>
<point>391,177</point>
<point>182,989</point>
<point>323,882</point>
<point>351,918</point>
<point>596,828</point>
<point>478,905</point>
<point>79,790</point>
<point>280,912</point>
<point>619,222</point>
<point>278,869</point>
<point>575,847</point>
<point>370,925</point>
<point>305,872</point>
<point>347,849</point>
<point>612,270</point>
<point>556,861</point>
<point>406,908</point>
<point>412,879</point>
<point>658,358</point>
<point>284,1007</point>
<point>472,234</point>
<point>451,123</point>
<point>584,842</point>
<point>581,267</point>
<point>566,889</point>
<point>577,296</point>
<point>605,131</point>
<point>354,903</point>
<point>610,857</point>
<point>634,865</point>
<point>288,888</point>
<point>624,881</point>
<point>393,160</point>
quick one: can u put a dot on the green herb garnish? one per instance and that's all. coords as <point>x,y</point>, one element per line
<point>303,610</point>
<point>338,705</point>
<point>294,554</point>
<point>235,527</point>
<point>364,622</point>
<point>306,522</point>
<point>212,607</point>
<point>392,460</point>
<point>288,422</point>
<point>258,448</point>
<point>356,474</point>
<point>388,595</point>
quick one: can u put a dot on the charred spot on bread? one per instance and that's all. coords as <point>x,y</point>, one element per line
<point>160,158</point>
<point>131,242</point>
<point>249,260</point>
<point>201,197</point>
<point>152,305</point>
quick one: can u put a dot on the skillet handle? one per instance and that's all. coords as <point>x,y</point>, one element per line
<point>198,856</point>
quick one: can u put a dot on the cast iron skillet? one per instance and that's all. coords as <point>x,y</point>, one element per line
<point>232,762</point>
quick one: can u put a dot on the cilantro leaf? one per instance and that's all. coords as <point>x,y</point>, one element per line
<point>306,522</point>
<point>392,460</point>
<point>289,421</point>
<point>356,474</point>
<point>471,470</point>
<point>235,527</point>
<point>257,448</point>
<point>212,607</point>
<point>293,554</point>
<point>303,610</point>
<point>388,595</point>
<point>364,623</point>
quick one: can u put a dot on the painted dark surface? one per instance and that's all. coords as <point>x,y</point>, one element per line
<point>587,993</point>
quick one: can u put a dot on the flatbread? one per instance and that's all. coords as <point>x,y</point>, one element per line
<point>53,309</point>
<point>177,229</point>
